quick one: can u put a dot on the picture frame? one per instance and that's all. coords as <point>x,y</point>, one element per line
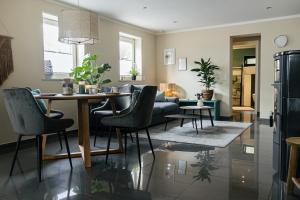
<point>182,64</point>
<point>169,56</point>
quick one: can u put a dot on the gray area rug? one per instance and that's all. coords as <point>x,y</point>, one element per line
<point>222,134</point>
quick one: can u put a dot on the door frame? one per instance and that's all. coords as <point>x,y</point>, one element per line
<point>255,37</point>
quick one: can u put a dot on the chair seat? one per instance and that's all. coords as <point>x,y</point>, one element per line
<point>104,113</point>
<point>56,125</point>
<point>56,115</point>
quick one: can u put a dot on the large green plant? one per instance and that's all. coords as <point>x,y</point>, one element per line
<point>90,72</point>
<point>206,73</point>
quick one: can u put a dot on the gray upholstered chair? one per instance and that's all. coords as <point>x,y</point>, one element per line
<point>27,119</point>
<point>121,103</point>
<point>137,117</point>
<point>54,114</point>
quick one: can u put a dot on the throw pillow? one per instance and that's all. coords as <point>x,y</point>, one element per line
<point>41,103</point>
<point>160,96</point>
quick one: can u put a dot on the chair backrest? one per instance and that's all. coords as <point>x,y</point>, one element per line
<point>24,113</point>
<point>123,102</point>
<point>142,111</point>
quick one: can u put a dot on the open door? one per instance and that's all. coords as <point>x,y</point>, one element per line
<point>245,68</point>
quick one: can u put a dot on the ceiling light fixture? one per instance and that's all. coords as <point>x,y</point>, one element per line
<point>145,7</point>
<point>78,26</point>
<point>175,22</point>
<point>268,8</point>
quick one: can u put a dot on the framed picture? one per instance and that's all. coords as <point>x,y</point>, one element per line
<point>182,64</point>
<point>249,61</point>
<point>169,56</point>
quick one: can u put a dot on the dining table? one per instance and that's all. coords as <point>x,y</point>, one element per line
<point>83,124</point>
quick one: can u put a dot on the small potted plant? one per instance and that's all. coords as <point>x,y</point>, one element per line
<point>90,73</point>
<point>134,72</point>
<point>206,73</point>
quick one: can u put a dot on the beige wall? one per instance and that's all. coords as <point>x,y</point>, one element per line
<point>23,21</point>
<point>215,43</point>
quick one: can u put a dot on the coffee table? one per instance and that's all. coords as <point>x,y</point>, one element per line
<point>200,108</point>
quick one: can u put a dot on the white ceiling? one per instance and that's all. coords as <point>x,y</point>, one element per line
<point>160,14</point>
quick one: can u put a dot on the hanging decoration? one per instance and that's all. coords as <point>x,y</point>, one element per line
<point>6,58</point>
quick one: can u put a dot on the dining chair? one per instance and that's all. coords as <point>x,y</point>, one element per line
<point>121,104</point>
<point>137,118</point>
<point>54,114</point>
<point>27,119</point>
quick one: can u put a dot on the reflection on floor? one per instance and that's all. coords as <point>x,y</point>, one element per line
<point>242,108</point>
<point>242,170</point>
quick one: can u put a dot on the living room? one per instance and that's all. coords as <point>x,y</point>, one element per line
<point>162,42</point>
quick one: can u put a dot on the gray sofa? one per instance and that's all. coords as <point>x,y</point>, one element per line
<point>169,106</point>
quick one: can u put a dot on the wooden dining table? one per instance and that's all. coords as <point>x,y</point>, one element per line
<point>83,124</point>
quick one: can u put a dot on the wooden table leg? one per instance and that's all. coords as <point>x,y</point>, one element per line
<point>292,167</point>
<point>119,134</point>
<point>44,137</point>
<point>84,132</point>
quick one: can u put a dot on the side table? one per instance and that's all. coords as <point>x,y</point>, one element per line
<point>211,103</point>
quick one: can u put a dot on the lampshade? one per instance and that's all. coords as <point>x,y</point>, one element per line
<point>168,88</point>
<point>78,27</point>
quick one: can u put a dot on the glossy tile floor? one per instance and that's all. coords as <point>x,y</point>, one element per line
<point>243,170</point>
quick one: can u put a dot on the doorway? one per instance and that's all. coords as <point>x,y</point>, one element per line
<point>245,65</point>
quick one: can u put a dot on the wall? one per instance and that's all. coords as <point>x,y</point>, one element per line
<point>23,21</point>
<point>215,43</point>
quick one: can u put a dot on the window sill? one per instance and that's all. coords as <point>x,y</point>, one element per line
<point>56,77</point>
<point>127,78</point>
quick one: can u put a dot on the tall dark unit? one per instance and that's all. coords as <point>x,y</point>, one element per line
<point>286,106</point>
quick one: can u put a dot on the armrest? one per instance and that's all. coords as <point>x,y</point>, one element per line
<point>105,106</point>
<point>172,99</point>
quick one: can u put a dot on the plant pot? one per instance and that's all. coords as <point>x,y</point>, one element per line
<point>207,94</point>
<point>133,78</point>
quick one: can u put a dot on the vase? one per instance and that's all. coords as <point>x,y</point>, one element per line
<point>207,94</point>
<point>67,87</point>
<point>133,78</point>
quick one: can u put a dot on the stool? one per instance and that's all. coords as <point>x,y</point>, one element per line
<point>294,142</point>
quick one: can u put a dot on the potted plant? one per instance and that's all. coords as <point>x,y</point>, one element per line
<point>206,73</point>
<point>91,73</point>
<point>134,72</point>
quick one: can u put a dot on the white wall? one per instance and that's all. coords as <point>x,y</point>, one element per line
<point>23,21</point>
<point>215,43</point>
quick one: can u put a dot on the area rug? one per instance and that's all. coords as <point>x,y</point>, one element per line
<point>222,134</point>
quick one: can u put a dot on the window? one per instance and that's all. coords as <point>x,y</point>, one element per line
<point>130,55</point>
<point>59,58</point>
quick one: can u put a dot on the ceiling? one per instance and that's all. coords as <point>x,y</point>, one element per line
<point>175,15</point>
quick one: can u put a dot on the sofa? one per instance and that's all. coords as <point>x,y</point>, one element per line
<point>162,106</point>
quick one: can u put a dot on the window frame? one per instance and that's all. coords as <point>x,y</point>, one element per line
<point>137,44</point>
<point>75,52</point>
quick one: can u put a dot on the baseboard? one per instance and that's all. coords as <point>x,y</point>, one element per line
<point>28,143</point>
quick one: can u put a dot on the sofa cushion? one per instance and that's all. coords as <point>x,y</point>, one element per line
<point>160,96</point>
<point>166,106</point>
<point>156,110</point>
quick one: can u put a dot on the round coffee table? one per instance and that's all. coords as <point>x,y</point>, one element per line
<point>200,108</point>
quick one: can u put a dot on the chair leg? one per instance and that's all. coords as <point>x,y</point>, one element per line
<point>108,145</point>
<point>150,143</point>
<point>68,149</point>
<point>125,141</point>
<point>131,137</point>
<point>39,156</point>
<point>60,142</point>
<point>95,139</point>
<point>138,147</point>
<point>15,155</point>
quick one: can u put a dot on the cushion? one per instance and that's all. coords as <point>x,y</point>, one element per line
<point>40,102</point>
<point>166,106</point>
<point>156,110</point>
<point>160,96</point>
